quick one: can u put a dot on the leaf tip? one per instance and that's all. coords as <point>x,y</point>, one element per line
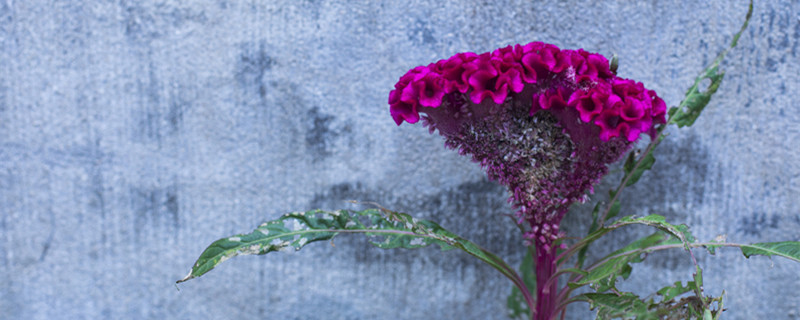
<point>186,278</point>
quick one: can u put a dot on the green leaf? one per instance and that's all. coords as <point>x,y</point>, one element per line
<point>672,111</point>
<point>614,211</point>
<point>517,307</point>
<point>786,249</point>
<point>675,290</point>
<point>610,282</point>
<point>637,171</point>
<point>689,307</point>
<point>681,232</point>
<point>386,229</point>
<point>595,215</point>
<point>630,162</point>
<point>624,305</point>
<point>698,285</point>
<point>717,312</point>
<point>602,275</point>
<point>695,100</point>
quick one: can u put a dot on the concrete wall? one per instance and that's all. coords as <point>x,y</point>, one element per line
<point>134,133</point>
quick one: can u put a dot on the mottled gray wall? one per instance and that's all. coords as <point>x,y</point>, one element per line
<point>134,133</point>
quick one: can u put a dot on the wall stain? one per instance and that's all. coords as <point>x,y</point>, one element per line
<point>421,33</point>
<point>180,101</point>
<point>155,208</point>
<point>51,217</point>
<point>48,242</point>
<point>778,36</point>
<point>319,135</point>
<point>140,25</point>
<point>756,223</point>
<point>796,36</point>
<point>175,115</point>
<point>477,210</point>
<point>172,206</point>
<point>48,214</point>
<point>6,17</point>
<point>144,23</point>
<point>152,116</point>
<point>97,198</point>
<point>158,118</point>
<point>7,182</point>
<point>147,115</point>
<point>278,106</point>
<point>336,196</point>
<point>252,67</point>
<point>3,98</point>
<point>682,160</point>
<point>670,260</point>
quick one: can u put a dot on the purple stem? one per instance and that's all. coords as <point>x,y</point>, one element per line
<point>546,288</point>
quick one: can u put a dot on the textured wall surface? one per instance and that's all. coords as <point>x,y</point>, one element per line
<point>134,133</point>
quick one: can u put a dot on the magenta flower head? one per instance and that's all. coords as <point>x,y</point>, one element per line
<point>542,121</point>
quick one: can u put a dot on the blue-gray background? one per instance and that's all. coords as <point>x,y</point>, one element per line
<point>134,133</point>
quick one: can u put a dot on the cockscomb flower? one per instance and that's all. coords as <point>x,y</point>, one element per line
<point>542,121</point>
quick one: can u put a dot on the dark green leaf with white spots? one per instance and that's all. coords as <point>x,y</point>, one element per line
<point>386,230</point>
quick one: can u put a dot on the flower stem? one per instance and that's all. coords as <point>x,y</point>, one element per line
<point>546,286</point>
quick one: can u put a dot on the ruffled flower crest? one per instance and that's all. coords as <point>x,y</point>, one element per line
<point>542,121</point>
